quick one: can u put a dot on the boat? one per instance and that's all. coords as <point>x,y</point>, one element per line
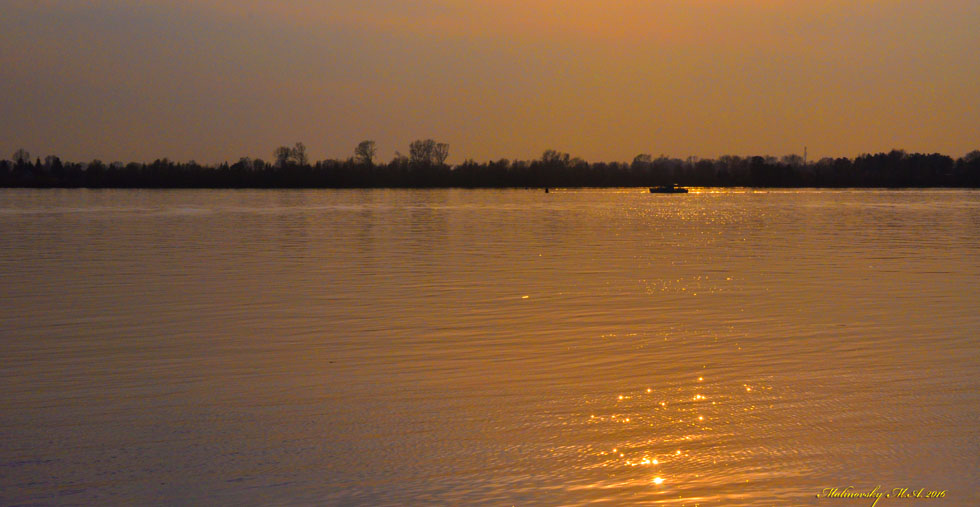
<point>668,189</point>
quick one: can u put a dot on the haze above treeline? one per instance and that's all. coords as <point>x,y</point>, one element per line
<point>425,167</point>
<point>213,80</point>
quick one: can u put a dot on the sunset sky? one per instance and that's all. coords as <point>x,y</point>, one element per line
<point>213,80</point>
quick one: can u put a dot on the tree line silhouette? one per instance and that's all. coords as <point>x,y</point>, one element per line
<point>425,167</point>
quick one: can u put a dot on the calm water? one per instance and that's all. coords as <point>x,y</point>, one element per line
<point>499,347</point>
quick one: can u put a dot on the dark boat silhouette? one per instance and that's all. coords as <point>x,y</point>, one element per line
<point>668,189</point>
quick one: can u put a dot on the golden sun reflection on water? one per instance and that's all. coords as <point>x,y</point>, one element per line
<point>673,444</point>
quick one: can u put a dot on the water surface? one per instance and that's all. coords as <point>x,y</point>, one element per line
<point>487,346</point>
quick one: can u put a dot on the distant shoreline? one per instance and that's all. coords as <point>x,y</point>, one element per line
<point>644,188</point>
<point>893,170</point>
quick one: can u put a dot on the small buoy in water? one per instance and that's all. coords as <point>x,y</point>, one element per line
<point>546,190</point>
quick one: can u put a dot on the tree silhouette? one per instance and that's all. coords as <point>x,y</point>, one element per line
<point>427,168</point>
<point>296,155</point>
<point>21,156</point>
<point>364,153</point>
<point>555,158</point>
<point>420,152</point>
<point>427,152</point>
<point>282,155</point>
<point>441,153</point>
<point>792,160</point>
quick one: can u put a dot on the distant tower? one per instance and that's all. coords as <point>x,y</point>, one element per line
<point>804,155</point>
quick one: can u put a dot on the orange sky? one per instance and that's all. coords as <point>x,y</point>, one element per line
<point>213,80</point>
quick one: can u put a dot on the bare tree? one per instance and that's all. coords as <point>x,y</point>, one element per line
<point>420,152</point>
<point>364,153</point>
<point>298,154</point>
<point>285,155</point>
<point>282,155</point>
<point>21,156</point>
<point>552,157</point>
<point>441,153</point>
<point>428,152</point>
